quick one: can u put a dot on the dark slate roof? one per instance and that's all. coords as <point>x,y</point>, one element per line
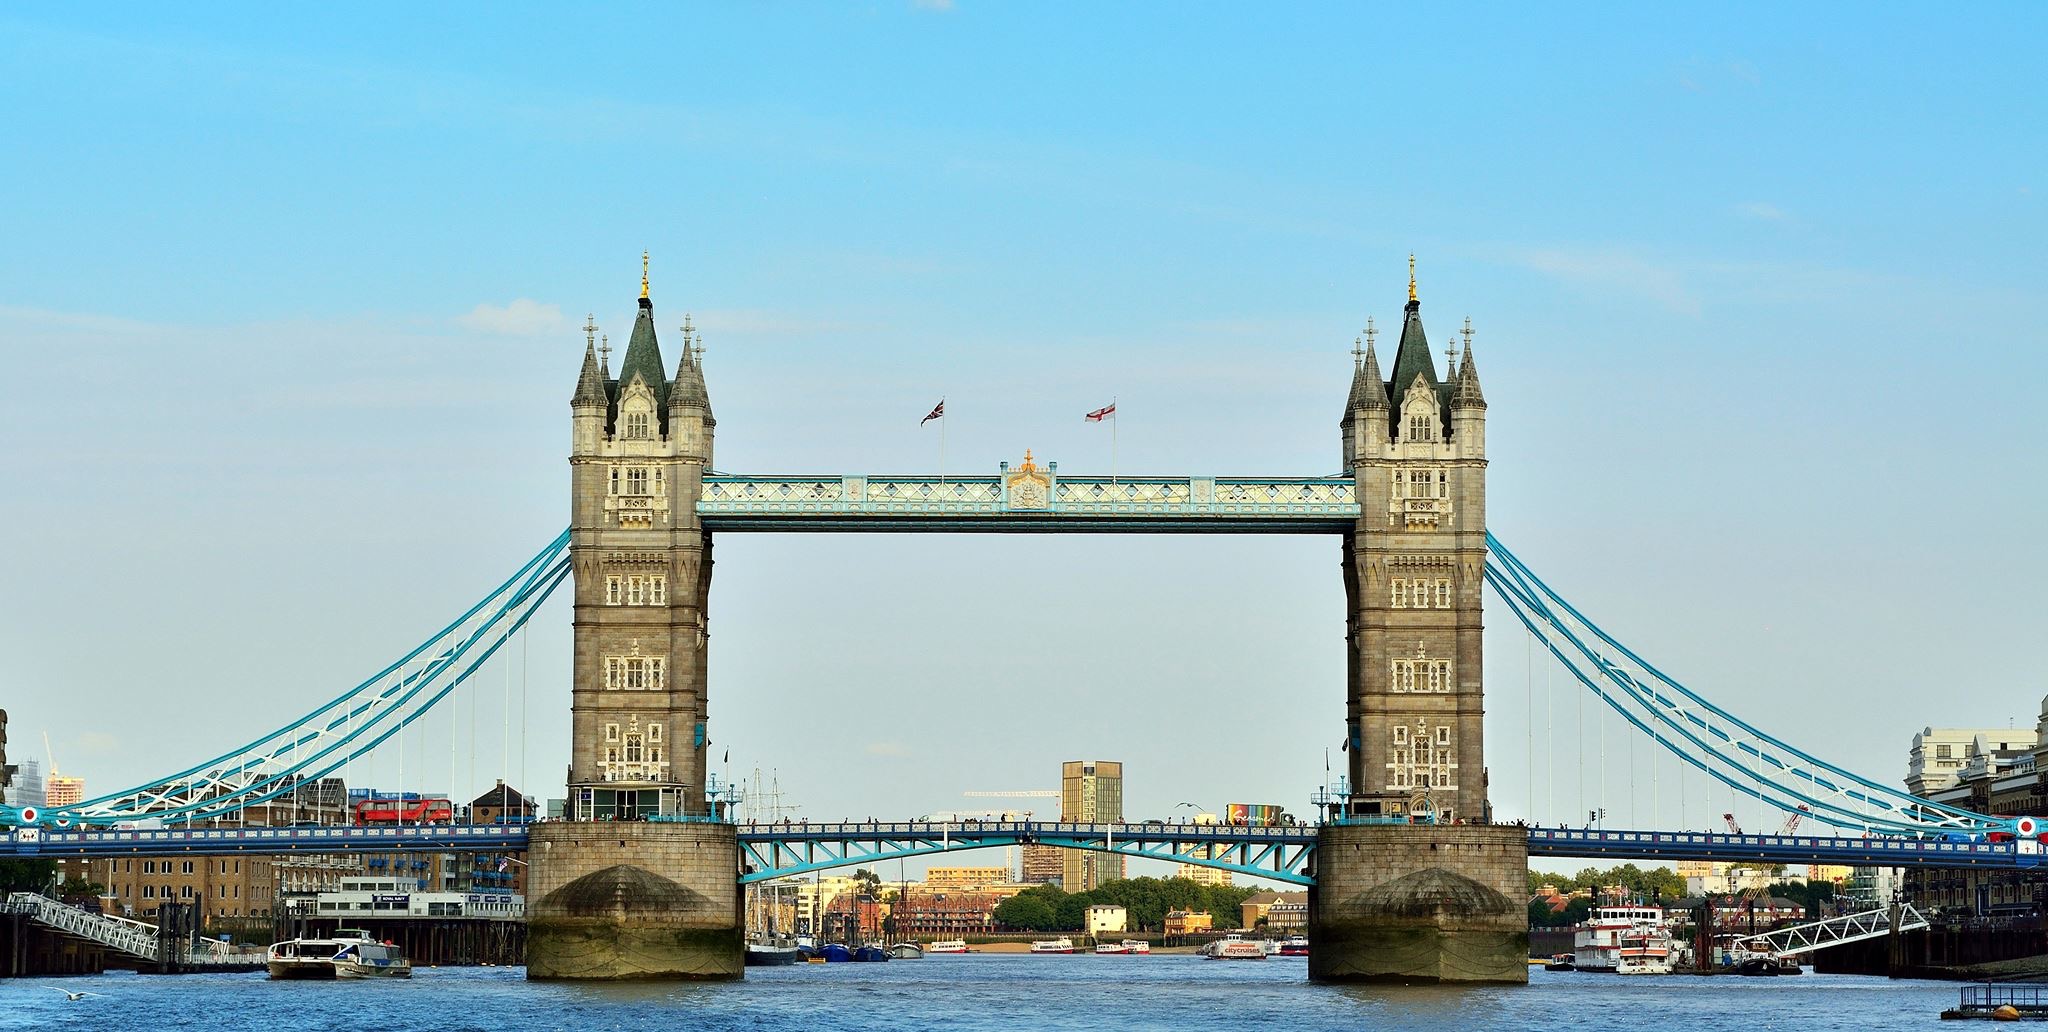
<point>643,356</point>
<point>503,797</point>
<point>1466,394</point>
<point>1374,398</point>
<point>590,383</point>
<point>688,390</point>
<point>1413,361</point>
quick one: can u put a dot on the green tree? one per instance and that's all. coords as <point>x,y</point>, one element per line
<point>27,875</point>
<point>1033,910</point>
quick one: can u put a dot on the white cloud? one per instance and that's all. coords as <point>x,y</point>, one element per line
<point>523,317</point>
<point>1761,210</point>
<point>1613,269</point>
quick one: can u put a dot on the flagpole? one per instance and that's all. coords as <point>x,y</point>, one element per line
<point>1112,439</point>
<point>942,440</point>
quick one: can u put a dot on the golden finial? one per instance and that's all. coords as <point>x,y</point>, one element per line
<point>643,274</point>
<point>1028,464</point>
<point>1411,276</point>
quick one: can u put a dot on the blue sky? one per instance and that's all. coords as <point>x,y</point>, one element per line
<point>288,302</point>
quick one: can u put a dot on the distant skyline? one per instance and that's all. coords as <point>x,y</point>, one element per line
<point>289,320</point>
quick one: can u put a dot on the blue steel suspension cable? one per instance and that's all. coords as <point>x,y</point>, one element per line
<point>1907,813</point>
<point>534,591</point>
<point>544,566</point>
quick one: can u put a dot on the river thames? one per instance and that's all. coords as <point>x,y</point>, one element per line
<point>974,992</point>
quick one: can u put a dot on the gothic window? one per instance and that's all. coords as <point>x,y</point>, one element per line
<point>1400,734</point>
<point>654,733</point>
<point>636,480</point>
<point>635,595</point>
<point>1422,427</point>
<point>634,751</point>
<point>1400,593</point>
<point>1443,594</point>
<point>1397,483</point>
<point>611,732</point>
<point>657,591</point>
<point>636,426</point>
<point>612,593</point>
<point>1443,734</point>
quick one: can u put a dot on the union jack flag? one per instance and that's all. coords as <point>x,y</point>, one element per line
<point>938,412</point>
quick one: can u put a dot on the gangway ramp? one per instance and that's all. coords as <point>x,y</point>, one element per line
<point>1835,931</point>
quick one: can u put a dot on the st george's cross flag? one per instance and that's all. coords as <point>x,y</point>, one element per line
<point>1105,412</point>
<point>938,412</point>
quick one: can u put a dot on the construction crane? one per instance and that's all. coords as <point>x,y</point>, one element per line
<point>1791,823</point>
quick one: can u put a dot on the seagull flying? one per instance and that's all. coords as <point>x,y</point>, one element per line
<point>69,995</point>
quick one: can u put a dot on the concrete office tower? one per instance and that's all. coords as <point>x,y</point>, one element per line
<point>1091,791</point>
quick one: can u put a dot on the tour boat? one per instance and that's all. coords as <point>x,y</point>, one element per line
<point>1234,947</point>
<point>1059,945</point>
<point>1294,946</point>
<point>947,946</point>
<point>1625,940</point>
<point>348,953</point>
<point>1135,946</point>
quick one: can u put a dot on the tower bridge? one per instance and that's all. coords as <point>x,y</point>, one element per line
<point>1409,876</point>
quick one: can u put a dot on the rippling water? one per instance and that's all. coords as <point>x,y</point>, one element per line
<point>1187,994</point>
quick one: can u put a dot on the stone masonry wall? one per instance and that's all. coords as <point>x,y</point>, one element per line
<point>627,899</point>
<point>1420,903</point>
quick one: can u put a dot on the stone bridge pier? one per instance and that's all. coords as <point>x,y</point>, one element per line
<point>634,899</point>
<point>1419,903</point>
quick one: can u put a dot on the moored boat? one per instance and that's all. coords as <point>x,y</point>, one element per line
<point>348,953</point>
<point>1234,947</point>
<point>906,951</point>
<point>871,953</point>
<point>1135,946</point>
<point>1626,940</point>
<point>1059,945</point>
<point>762,954</point>
<point>835,952</point>
<point>1111,948</point>
<point>947,946</point>
<point>1294,946</point>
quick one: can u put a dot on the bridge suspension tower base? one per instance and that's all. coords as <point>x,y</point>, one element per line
<point>612,900</point>
<point>1419,903</point>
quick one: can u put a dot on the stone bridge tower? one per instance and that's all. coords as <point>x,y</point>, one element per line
<point>1416,445</point>
<point>642,567</point>
<point>1396,899</point>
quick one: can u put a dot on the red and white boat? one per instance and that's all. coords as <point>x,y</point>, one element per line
<point>947,946</point>
<point>1294,946</point>
<point>1235,947</point>
<point>1059,945</point>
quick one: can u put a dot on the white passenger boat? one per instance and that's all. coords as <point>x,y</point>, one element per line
<point>348,953</point>
<point>947,946</point>
<point>1126,947</point>
<point>1234,947</point>
<point>1136,946</point>
<point>1624,940</point>
<point>1059,945</point>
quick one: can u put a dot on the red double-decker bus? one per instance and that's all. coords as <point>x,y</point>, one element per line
<point>404,811</point>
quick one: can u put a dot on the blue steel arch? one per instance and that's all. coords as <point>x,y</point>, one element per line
<point>780,850</point>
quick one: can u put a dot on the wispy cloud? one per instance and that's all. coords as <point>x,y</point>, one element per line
<point>1613,269</point>
<point>522,317</point>
<point>1761,210</point>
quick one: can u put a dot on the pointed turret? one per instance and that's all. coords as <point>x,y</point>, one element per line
<point>643,355</point>
<point>688,392</point>
<point>590,382</point>
<point>1467,394</point>
<point>1375,397</point>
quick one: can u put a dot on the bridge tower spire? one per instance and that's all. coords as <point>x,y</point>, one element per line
<point>642,567</point>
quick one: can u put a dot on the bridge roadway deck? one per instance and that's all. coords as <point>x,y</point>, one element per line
<point>781,842</point>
